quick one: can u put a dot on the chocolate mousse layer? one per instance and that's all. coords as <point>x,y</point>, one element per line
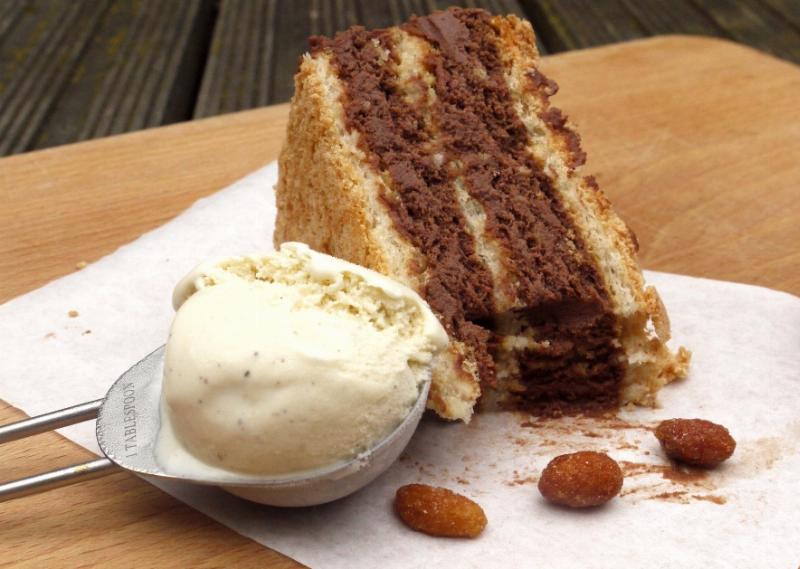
<point>545,259</point>
<point>422,202</point>
<point>558,358</point>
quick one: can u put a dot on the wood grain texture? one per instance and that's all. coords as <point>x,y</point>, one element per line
<point>73,70</point>
<point>256,43</point>
<point>10,12</point>
<point>142,80</point>
<point>694,140</point>
<point>80,69</point>
<point>769,25</point>
<point>94,196</point>
<point>761,26</point>
<point>238,73</point>
<point>577,24</point>
<point>672,17</point>
<point>42,48</point>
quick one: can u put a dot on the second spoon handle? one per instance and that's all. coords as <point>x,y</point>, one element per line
<point>56,478</point>
<point>61,476</point>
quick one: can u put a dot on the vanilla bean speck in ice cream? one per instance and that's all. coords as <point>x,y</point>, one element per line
<point>291,361</point>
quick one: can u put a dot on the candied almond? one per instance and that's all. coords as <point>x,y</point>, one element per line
<point>695,441</point>
<point>581,479</point>
<point>439,511</point>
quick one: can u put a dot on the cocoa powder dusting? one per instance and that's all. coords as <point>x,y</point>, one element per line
<point>521,481</point>
<point>684,474</point>
<point>684,497</point>
<point>710,498</point>
<point>672,472</point>
<point>679,496</point>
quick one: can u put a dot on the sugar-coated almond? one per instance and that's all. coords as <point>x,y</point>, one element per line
<point>695,441</point>
<point>439,511</point>
<point>581,479</point>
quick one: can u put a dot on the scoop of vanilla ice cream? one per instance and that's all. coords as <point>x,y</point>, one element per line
<point>292,360</point>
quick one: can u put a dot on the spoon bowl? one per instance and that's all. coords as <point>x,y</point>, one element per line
<point>129,421</point>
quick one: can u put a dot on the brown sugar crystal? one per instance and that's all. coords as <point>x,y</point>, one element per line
<point>439,511</point>
<point>581,479</point>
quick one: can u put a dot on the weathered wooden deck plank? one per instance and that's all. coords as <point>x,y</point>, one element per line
<point>10,11</point>
<point>672,17</point>
<point>330,16</point>
<point>575,24</point>
<point>87,68</point>
<point>785,10</point>
<point>39,52</point>
<point>291,40</point>
<point>77,69</point>
<point>139,80</point>
<point>769,25</point>
<point>256,44</point>
<point>243,41</point>
<point>74,114</point>
<point>757,25</point>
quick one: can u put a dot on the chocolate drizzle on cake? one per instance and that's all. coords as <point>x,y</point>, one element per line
<point>555,346</point>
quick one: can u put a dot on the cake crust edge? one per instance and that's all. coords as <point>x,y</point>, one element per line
<point>315,164</point>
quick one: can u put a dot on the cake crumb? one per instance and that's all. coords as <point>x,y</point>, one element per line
<point>49,335</point>
<point>424,469</point>
<point>519,480</point>
<point>73,314</point>
<point>80,265</point>
<point>86,332</point>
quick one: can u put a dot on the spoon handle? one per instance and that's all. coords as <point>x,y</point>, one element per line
<point>56,478</point>
<point>62,476</point>
<point>50,421</point>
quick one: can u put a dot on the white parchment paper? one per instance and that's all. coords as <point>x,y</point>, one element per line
<point>745,374</point>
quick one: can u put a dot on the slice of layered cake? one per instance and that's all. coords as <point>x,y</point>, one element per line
<point>430,152</point>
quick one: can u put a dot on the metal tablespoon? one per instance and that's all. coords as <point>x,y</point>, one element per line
<point>128,421</point>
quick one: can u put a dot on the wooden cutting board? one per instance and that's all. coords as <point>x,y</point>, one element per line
<point>696,141</point>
